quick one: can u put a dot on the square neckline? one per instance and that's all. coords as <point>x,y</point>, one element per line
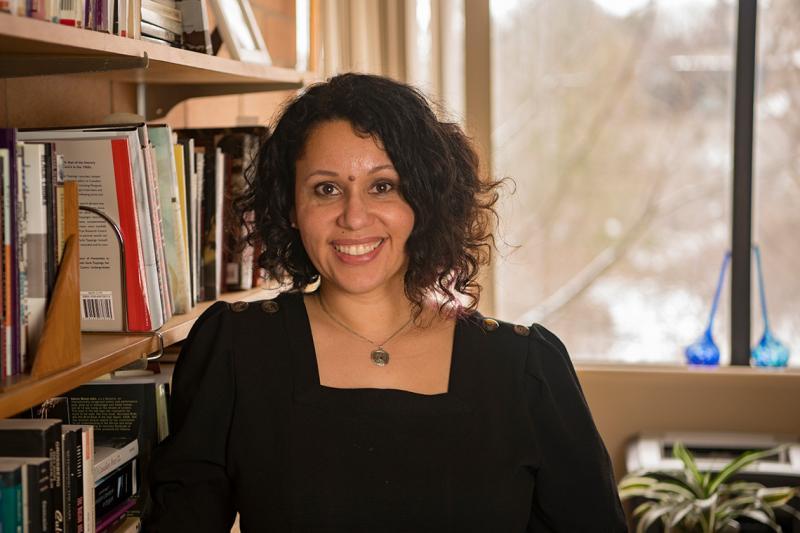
<point>309,389</point>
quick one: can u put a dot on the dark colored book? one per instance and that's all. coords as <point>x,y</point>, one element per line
<point>117,515</point>
<point>37,505</point>
<point>72,449</point>
<point>38,438</point>
<point>121,408</point>
<point>196,35</point>
<point>115,489</point>
<point>11,513</point>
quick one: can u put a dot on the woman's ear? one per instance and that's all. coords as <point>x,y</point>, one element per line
<point>293,218</point>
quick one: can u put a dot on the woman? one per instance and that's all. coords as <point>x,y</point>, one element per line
<point>378,402</point>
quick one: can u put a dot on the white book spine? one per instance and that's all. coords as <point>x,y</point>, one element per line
<point>36,207</point>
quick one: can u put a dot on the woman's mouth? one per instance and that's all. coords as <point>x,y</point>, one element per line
<point>357,249</point>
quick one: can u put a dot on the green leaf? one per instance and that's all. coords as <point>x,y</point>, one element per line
<point>673,489</point>
<point>739,486</point>
<point>777,496</point>
<point>643,508</point>
<point>739,463</point>
<point>761,517</point>
<point>680,452</point>
<point>679,514</point>
<point>791,510</point>
<point>629,482</point>
<point>650,517</point>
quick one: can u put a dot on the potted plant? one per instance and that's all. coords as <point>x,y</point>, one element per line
<point>694,501</point>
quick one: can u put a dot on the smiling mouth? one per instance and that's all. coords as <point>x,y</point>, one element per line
<point>357,249</point>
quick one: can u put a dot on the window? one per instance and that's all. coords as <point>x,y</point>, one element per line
<point>615,120</point>
<point>776,177</point>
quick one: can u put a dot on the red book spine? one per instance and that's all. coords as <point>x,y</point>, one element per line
<point>136,294</point>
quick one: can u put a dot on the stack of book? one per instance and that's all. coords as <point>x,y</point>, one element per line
<point>76,465</point>
<point>178,23</point>
<point>33,240</point>
<point>170,199</point>
<point>162,22</point>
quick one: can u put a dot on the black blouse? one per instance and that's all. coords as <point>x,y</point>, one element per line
<point>511,447</point>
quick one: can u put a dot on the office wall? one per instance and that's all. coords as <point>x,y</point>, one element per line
<point>626,400</point>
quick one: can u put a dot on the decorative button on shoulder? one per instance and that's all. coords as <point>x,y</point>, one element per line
<point>269,307</point>
<point>522,331</point>
<point>490,324</point>
<point>238,307</point>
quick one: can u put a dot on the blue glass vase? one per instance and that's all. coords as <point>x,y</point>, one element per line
<point>704,351</point>
<point>769,351</point>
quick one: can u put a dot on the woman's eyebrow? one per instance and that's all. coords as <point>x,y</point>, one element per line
<point>381,167</point>
<point>322,172</point>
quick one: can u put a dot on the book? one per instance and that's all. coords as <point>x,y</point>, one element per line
<point>38,438</point>
<point>180,169</point>
<point>20,240</point>
<point>36,498</point>
<point>104,15</point>
<point>36,168</point>
<point>159,18</point>
<point>11,510</point>
<point>129,524</point>
<point>104,172</point>
<point>112,453</point>
<point>122,24</point>
<point>11,267</point>
<point>119,408</point>
<point>5,331</point>
<point>148,187</point>
<point>72,473</point>
<point>114,516</point>
<point>87,447</point>
<point>172,216</point>
<point>116,488</point>
<point>196,34</point>
<point>151,30</point>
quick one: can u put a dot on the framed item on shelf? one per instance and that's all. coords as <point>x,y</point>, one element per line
<point>239,31</point>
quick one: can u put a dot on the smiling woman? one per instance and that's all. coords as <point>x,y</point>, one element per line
<point>377,402</point>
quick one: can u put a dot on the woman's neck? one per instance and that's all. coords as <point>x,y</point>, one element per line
<point>373,315</point>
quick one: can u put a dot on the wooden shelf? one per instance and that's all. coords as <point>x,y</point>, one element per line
<point>30,47</point>
<point>103,353</point>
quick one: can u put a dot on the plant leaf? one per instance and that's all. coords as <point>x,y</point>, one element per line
<point>739,463</point>
<point>643,508</point>
<point>679,514</point>
<point>761,517</point>
<point>680,452</point>
<point>636,481</point>
<point>651,516</point>
<point>776,496</point>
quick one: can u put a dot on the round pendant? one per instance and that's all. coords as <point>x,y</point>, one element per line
<point>380,357</point>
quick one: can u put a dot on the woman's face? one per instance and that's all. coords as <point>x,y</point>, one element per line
<point>352,219</point>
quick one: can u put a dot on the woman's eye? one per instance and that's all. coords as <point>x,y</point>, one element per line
<point>383,187</point>
<point>326,189</point>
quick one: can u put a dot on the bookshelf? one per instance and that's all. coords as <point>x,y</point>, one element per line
<point>30,47</point>
<point>145,78</point>
<point>104,353</point>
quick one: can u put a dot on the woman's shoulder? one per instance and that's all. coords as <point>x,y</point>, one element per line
<point>534,345</point>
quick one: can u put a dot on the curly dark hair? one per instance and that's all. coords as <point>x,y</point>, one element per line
<point>439,178</point>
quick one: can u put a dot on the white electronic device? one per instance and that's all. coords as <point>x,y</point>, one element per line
<point>712,451</point>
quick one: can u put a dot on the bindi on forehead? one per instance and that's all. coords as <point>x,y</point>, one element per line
<point>351,178</point>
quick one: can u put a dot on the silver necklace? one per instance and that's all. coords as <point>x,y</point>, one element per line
<point>379,355</point>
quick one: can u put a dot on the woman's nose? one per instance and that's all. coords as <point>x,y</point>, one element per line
<point>356,212</point>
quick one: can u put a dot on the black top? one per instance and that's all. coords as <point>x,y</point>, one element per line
<point>511,447</point>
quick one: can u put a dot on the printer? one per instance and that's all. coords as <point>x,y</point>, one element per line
<point>713,450</point>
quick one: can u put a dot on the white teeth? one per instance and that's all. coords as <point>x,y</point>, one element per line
<point>357,249</point>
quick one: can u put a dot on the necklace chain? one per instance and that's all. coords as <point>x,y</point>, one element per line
<point>379,345</point>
